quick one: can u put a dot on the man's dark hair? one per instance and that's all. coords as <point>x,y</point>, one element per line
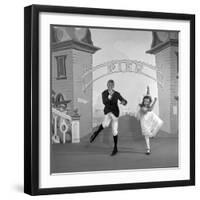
<point>110,81</point>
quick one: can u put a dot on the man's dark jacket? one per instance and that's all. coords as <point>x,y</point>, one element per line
<point>111,105</point>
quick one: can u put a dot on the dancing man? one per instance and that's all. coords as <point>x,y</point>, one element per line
<point>110,99</point>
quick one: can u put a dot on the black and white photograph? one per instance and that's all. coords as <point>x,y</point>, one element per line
<point>100,100</point>
<point>114,99</point>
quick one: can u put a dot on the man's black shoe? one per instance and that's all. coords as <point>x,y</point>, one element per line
<point>114,152</point>
<point>93,136</point>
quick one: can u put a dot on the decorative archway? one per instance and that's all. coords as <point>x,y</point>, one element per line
<point>122,66</point>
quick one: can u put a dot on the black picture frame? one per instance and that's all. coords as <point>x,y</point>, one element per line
<point>31,98</point>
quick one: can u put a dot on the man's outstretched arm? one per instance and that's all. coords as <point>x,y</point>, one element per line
<point>122,100</point>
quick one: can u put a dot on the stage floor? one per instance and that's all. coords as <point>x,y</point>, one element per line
<point>84,156</point>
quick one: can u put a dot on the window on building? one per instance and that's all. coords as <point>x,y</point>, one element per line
<point>61,67</point>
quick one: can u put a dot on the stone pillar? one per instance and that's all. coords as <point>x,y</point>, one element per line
<point>165,48</point>
<point>75,129</point>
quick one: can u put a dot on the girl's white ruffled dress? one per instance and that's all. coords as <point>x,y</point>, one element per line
<point>150,123</point>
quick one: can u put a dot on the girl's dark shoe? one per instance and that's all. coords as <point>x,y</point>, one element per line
<point>148,152</point>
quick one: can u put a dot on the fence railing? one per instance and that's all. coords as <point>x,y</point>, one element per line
<point>65,126</point>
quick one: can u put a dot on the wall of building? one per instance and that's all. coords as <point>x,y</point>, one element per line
<point>174,89</point>
<point>82,61</point>
<point>72,88</point>
<point>166,60</point>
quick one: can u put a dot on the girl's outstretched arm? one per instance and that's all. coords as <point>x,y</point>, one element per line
<point>153,104</point>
